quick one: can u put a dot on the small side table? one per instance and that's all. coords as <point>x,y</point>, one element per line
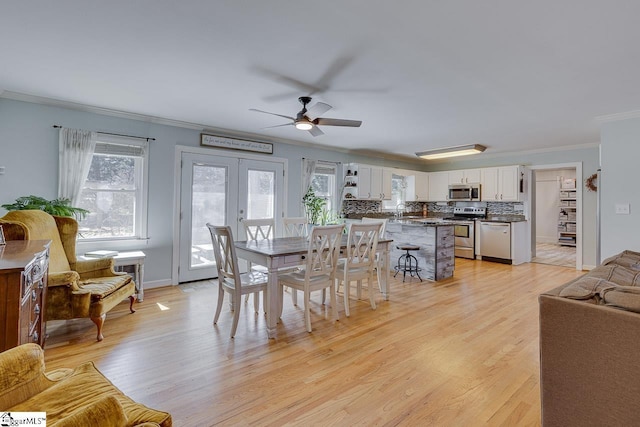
<point>135,259</point>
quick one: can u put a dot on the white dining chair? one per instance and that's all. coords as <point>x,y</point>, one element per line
<point>295,226</point>
<point>230,280</point>
<point>360,262</point>
<point>319,271</point>
<point>258,229</point>
<point>379,260</point>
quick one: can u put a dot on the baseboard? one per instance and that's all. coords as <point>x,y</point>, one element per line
<point>588,267</point>
<point>157,284</point>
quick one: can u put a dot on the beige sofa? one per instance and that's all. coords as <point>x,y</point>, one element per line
<point>590,347</point>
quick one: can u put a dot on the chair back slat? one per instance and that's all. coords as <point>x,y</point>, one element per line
<point>382,221</point>
<point>225,254</point>
<point>295,226</point>
<point>324,250</point>
<point>259,229</point>
<point>362,244</point>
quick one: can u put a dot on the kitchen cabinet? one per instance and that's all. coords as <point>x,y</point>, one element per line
<point>464,176</point>
<point>417,186</point>
<point>439,186</point>
<point>501,184</point>
<point>368,182</point>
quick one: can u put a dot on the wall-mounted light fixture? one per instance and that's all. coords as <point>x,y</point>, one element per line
<point>443,153</point>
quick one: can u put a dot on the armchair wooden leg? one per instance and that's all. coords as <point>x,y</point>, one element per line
<point>132,299</point>
<point>99,321</point>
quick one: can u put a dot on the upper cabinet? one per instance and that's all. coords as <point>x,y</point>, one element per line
<point>501,184</point>
<point>371,182</point>
<point>464,176</point>
<point>438,186</point>
<point>417,186</point>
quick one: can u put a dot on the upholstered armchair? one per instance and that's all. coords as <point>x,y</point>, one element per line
<point>76,288</point>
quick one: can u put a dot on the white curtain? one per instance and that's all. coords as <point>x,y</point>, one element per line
<point>76,151</point>
<point>308,168</point>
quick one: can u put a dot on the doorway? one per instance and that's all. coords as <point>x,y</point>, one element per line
<point>556,212</point>
<point>222,190</point>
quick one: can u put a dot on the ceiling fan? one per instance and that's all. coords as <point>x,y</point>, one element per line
<point>310,120</point>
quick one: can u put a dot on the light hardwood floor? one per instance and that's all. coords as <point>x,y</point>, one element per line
<point>461,352</point>
<point>547,253</point>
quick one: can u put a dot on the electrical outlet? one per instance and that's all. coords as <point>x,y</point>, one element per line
<point>1,170</point>
<point>622,208</point>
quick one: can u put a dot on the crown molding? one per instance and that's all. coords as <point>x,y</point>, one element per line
<point>618,116</point>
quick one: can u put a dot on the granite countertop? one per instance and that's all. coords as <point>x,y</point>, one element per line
<point>504,218</point>
<point>414,218</point>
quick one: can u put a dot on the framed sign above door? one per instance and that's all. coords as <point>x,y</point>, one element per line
<point>235,144</point>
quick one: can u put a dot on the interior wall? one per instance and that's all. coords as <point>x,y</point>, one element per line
<point>620,173</point>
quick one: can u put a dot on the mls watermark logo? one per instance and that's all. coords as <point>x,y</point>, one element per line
<point>23,419</point>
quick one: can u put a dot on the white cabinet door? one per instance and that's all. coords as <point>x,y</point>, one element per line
<point>464,176</point>
<point>489,184</point>
<point>500,184</point>
<point>472,176</point>
<point>364,182</point>
<point>438,186</point>
<point>417,186</point>
<point>456,177</point>
<point>509,180</point>
<point>386,184</point>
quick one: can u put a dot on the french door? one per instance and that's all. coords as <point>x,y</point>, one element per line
<point>222,191</point>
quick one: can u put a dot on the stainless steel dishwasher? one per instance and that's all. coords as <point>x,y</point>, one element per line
<point>495,241</point>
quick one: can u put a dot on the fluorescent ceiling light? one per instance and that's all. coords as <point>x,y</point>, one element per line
<point>443,153</point>
<point>303,125</point>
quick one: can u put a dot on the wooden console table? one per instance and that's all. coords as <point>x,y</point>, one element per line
<point>24,267</point>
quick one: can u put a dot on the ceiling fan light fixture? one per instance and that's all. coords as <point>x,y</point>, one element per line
<point>443,153</point>
<point>303,125</point>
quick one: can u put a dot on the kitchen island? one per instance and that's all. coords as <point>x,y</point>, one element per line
<point>436,241</point>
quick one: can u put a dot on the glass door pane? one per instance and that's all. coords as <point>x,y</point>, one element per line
<point>263,184</point>
<point>208,196</point>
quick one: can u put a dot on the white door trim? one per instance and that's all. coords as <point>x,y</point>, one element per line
<point>578,167</point>
<point>179,150</point>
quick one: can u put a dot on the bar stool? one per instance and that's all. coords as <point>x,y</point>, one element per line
<point>407,263</point>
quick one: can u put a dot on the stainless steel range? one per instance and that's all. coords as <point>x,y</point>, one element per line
<point>464,223</point>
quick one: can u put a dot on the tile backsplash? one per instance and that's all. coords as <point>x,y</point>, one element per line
<point>350,207</point>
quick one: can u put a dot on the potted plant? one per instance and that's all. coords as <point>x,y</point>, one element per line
<point>313,205</point>
<point>58,207</point>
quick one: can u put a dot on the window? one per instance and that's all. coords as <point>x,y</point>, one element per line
<point>115,191</point>
<point>398,192</point>
<point>323,183</point>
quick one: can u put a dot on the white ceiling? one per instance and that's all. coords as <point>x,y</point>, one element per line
<point>511,75</point>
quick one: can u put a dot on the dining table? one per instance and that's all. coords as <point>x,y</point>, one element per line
<point>280,252</point>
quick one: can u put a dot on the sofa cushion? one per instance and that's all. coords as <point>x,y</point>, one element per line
<point>100,287</point>
<point>629,259</point>
<point>618,274</point>
<point>586,287</point>
<point>106,412</point>
<point>85,387</point>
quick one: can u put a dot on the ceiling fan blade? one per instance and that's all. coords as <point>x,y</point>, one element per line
<point>337,122</point>
<point>287,80</point>
<point>315,131</point>
<point>317,110</point>
<point>277,126</point>
<point>273,114</point>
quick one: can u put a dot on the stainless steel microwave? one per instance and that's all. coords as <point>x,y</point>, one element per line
<point>464,192</point>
